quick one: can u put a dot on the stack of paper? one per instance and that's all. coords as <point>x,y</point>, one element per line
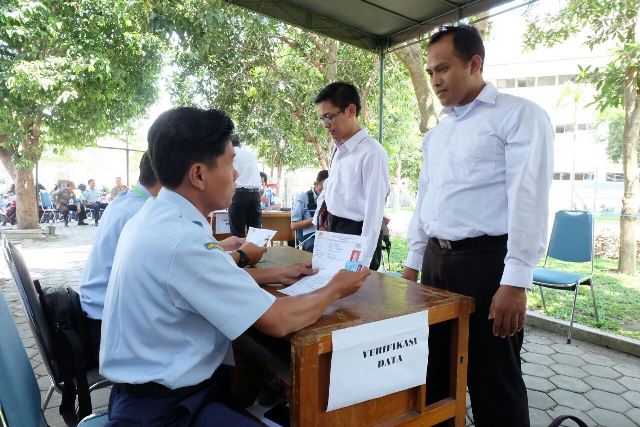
<point>260,236</point>
<point>331,252</point>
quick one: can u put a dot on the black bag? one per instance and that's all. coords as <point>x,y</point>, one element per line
<point>556,422</point>
<point>70,348</point>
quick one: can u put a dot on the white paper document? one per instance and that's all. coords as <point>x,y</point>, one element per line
<point>260,236</point>
<point>378,358</point>
<point>222,223</point>
<point>331,252</point>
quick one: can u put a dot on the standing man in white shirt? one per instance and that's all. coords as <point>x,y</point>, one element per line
<point>358,183</point>
<point>245,207</point>
<point>480,223</point>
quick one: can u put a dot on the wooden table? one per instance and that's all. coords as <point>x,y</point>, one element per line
<point>302,361</point>
<point>273,220</point>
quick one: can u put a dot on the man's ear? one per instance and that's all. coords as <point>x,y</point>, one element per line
<point>195,175</point>
<point>476,64</point>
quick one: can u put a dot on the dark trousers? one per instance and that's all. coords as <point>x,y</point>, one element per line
<point>152,405</point>
<point>94,331</point>
<point>65,209</point>
<point>497,390</point>
<point>244,212</point>
<point>338,224</point>
<point>95,209</point>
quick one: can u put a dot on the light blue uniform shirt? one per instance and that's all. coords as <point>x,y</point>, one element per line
<point>93,285</point>
<point>300,211</point>
<point>91,196</point>
<point>175,299</point>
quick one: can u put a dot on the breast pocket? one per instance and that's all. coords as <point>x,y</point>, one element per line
<point>484,155</point>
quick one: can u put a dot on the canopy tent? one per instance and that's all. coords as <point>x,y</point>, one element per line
<point>374,25</point>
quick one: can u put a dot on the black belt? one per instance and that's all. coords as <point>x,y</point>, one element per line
<point>158,390</point>
<point>471,242</point>
<point>249,190</point>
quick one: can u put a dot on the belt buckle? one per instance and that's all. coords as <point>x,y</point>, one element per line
<point>444,244</point>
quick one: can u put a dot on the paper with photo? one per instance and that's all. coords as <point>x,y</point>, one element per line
<point>331,252</point>
<point>260,236</point>
<point>222,223</point>
<point>379,358</point>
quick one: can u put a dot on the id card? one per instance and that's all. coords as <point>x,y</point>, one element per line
<point>353,266</point>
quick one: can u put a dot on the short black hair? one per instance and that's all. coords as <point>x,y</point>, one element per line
<point>235,140</point>
<point>91,179</point>
<point>340,94</point>
<point>264,177</point>
<point>183,136</point>
<point>147,176</point>
<point>322,175</point>
<point>467,41</point>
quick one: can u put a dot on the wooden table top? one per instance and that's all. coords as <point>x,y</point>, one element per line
<point>381,297</point>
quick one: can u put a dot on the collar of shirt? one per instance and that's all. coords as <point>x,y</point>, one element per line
<point>141,190</point>
<point>487,95</point>
<point>350,144</point>
<point>187,209</point>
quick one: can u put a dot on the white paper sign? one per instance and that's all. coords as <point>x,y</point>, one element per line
<point>331,251</point>
<point>378,358</point>
<point>260,236</point>
<point>222,223</point>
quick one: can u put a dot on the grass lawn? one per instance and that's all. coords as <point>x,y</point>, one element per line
<point>617,295</point>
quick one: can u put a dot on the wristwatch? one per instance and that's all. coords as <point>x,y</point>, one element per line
<point>244,259</point>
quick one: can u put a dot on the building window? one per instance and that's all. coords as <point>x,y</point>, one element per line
<point>566,78</point>
<point>615,177</point>
<point>566,128</point>
<point>546,81</point>
<point>584,176</point>
<point>561,176</point>
<point>506,83</point>
<point>526,82</point>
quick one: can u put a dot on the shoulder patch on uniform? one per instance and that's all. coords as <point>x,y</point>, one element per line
<point>211,245</point>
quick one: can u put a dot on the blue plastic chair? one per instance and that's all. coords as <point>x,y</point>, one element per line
<point>49,214</point>
<point>19,391</point>
<point>571,241</point>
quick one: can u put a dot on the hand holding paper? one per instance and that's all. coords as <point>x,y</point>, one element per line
<point>254,252</point>
<point>260,236</point>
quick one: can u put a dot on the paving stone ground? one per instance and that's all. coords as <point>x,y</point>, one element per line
<point>599,385</point>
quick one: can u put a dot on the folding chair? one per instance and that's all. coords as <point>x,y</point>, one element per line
<point>38,323</point>
<point>19,391</point>
<point>571,241</point>
<point>49,214</point>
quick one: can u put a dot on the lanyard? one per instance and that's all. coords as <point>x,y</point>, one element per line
<point>139,192</point>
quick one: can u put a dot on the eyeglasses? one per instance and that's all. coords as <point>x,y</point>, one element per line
<point>328,118</point>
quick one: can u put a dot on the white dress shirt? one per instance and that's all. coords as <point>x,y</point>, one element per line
<point>175,299</point>
<point>246,164</point>
<point>357,186</point>
<point>487,172</point>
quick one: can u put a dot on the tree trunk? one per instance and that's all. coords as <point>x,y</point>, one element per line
<point>411,57</point>
<point>332,61</point>
<point>5,158</point>
<point>629,213</point>
<point>366,90</point>
<point>26,205</point>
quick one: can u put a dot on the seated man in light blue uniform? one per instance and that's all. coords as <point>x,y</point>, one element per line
<point>93,285</point>
<point>175,299</point>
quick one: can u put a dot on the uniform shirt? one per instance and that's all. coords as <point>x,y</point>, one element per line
<point>272,199</point>
<point>487,172</point>
<point>246,164</point>
<point>175,300</point>
<point>117,190</point>
<point>358,184</point>
<point>300,210</point>
<point>91,196</point>
<point>93,286</point>
<point>64,196</point>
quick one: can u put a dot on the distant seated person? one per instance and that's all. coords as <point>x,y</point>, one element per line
<point>119,188</point>
<point>304,208</point>
<point>66,201</point>
<point>91,198</point>
<point>268,200</point>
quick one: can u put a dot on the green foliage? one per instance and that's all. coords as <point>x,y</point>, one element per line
<point>71,71</point>
<point>614,119</point>
<point>606,21</point>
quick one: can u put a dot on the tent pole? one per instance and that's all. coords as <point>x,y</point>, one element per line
<point>381,101</point>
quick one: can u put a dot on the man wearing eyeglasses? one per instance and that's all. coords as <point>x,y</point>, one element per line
<point>358,182</point>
